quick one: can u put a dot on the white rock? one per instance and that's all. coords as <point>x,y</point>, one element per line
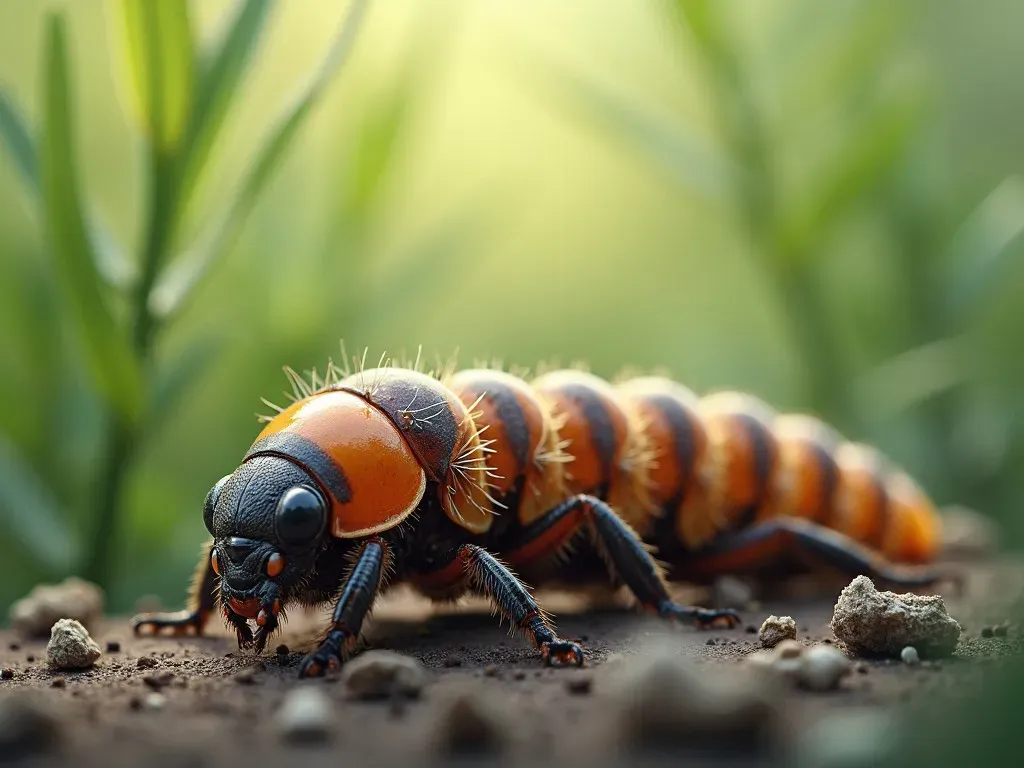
<point>382,674</point>
<point>661,701</point>
<point>73,598</point>
<point>155,701</point>
<point>71,646</point>
<point>869,622</point>
<point>822,667</point>
<point>306,715</point>
<point>910,655</point>
<point>775,629</point>
<point>818,668</point>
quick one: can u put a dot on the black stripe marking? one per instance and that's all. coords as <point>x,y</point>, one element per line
<point>762,446</point>
<point>683,438</point>
<point>602,433</point>
<point>883,509</point>
<point>512,419</point>
<point>829,480</point>
<point>309,455</point>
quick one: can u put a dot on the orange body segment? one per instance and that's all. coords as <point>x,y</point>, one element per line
<point>384,476</point>
<point>741,455</point>
<point>522,434</point>
<point>606,439</point>
<point>805,479</point>
<point>440,431</point>
<point>860,503</point>
<point>913,528</point>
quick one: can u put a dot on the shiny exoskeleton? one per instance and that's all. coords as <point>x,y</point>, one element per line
<point>392,476</point>
<point>451,483</point>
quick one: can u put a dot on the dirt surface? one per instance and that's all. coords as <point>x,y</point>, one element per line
<point>221,706</point>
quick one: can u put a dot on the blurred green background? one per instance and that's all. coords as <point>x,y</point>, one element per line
<point>818,203</point>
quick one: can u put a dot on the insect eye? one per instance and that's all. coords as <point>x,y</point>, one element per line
<point>301,515</point>
<point>211,502</point>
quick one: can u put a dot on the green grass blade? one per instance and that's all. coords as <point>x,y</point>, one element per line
<point>15,135</point>
<point>179,281</point>
<point>33,516</point>
<point>108,355</point>
<point>981,254</point>
<point>912,377</point>
<point>157,49</point>
<point>857,167</point>
<point>216,89</point>
<point>699,18</point>
<point>113,265</point>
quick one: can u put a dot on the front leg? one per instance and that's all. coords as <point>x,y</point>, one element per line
<point>353,605</point>
<point>201,603</point>
<point>489,576</point>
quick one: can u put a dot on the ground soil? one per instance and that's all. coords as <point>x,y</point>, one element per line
<point>221,704</point>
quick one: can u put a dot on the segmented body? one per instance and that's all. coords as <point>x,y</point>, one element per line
<point>474,478</point>
<point>683,471</point>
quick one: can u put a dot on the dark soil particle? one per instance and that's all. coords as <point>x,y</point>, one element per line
<point>113,646</point>
<point>7,673</point>
<point>579,685</point>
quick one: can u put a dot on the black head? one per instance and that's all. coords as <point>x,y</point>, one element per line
<point>269,521</point>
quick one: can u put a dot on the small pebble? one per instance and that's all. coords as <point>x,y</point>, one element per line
<point>861,669</point>
<point>470,725</point>
<point>155,701</point>
<point>382,674</point>
<point>58,682</point>
<point>910,655</point>
<point>775,629</point>
<point>579,685</point>
<point>158,680</point>
<point>71,646</point>
<point>282,650</point>
<point>146,662</point>
<point>30,658</point>
<point>823,667</point>
<point>305,716</point>
<point>452,661</point>
<point>710,641</point>
<point>491,670</point>
<point>7,673</point>
<point>751,629</point>
<point>519,675</point>
<point>113,646</point>
<point>14,647</point>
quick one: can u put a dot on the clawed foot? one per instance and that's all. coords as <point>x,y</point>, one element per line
<point>562,653</point>
<point>703,618</point>
<point>318,663</point>
<point>181,623</point>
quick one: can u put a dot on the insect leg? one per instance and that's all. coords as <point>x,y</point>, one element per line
<point>761,544</point>
<point>624,553</point>
<point>201,603</point>
<point>488,575</point>
<point>353,605</point>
